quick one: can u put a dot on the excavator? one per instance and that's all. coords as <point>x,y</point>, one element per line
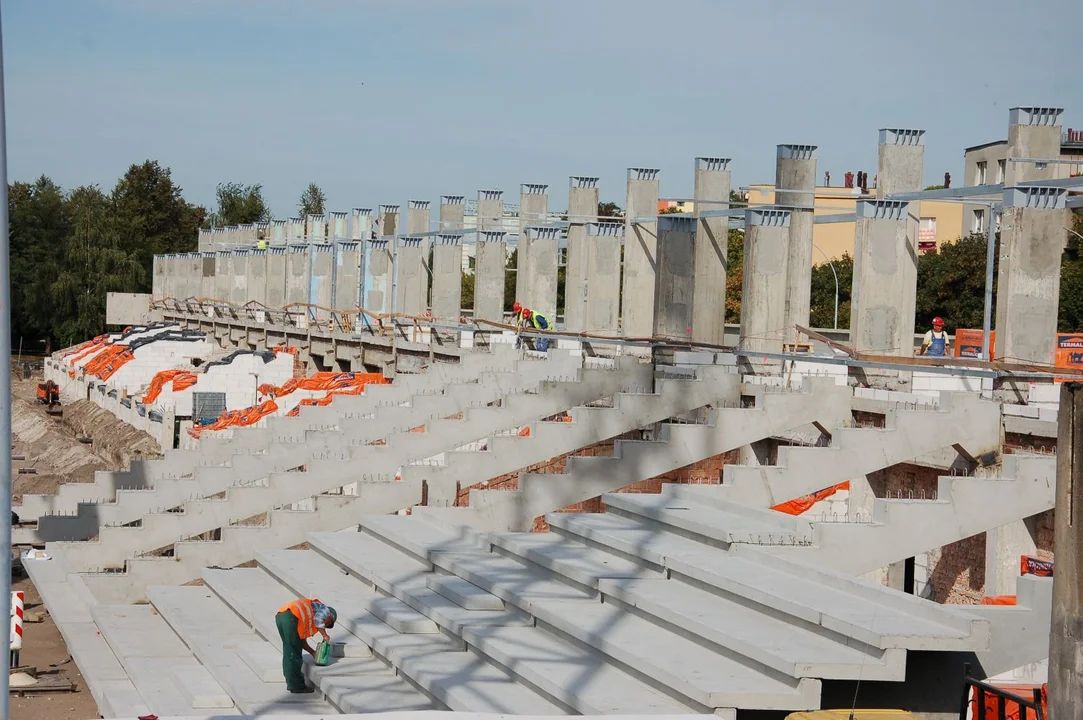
<point>49,396</point>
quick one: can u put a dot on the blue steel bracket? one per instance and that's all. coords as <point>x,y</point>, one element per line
<point>765,217</point>
<point>583,182</point>
<point>1037,197</point>
<point>605,229</point>
<point>796,152</point>
<point>676,223</point>
<point>899,136</point>
<point>882,209</point>
<point>645,174</point>
<point>714,164</point>
<point>1034,115</point>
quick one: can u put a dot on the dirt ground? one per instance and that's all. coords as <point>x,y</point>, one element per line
<point>52,447</point>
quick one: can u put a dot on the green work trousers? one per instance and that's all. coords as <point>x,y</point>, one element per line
<point>291,650</point>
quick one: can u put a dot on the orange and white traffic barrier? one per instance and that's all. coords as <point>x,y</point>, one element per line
<point>16,634</point>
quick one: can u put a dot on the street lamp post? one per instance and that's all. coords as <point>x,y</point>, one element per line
<point>836,276</point>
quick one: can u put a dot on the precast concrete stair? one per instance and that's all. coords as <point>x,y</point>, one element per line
<point>713,385</point>
<point>166,493</point>
<point>902,528</point>
<point>275,454</point>
<point>1020,632</point>
<point>676,445</point>
<point>962,419</point>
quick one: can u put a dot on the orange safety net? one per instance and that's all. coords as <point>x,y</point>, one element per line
<point>1011,708</point>
<point>998,600</point>
<point>237,418</point>
<point>181,378</point>
<point>329,381</point>
<point>801,504</point>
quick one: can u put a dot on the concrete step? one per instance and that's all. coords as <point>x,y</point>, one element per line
<point>677,445</point>
<point>902,528</point>
<point>1020,632</point>
<point>824,602</point>
<point>963,419</point>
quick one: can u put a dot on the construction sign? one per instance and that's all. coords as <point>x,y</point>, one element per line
<point>1035,566</point>
<point>968,343</point>
<point>1070,350</point>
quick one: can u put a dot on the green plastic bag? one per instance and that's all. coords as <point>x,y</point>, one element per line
<point>323,653</point>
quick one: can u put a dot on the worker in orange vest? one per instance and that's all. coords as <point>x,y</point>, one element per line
<point>297,622</point>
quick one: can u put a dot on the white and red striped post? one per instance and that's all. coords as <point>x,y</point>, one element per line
<point>16,634</point>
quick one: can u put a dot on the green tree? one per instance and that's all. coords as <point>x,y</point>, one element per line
<point>1071,280</point>
<point>312,201</point>
<point>609,210</point>
<point>239,205</point>
<point>38,225</point>
<point>735,269</point>
<point>822,308</point>
<point>951,283</point>
<point>467,290</point>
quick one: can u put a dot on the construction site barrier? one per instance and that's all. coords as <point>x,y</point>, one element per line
<point>1007,702</point>
<point>16,629</point>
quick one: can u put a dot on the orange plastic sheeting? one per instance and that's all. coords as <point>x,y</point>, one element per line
<point>92,343</point>
<point>76,357</point>
<point>998,600</point>
<point>525,432</point>
<point>325,400</point>
<point>181,379</point>
<point>237,418</point>
<point>324,381</point>
<point>801,504</point>
<point>1011,708</point>
<point>109,360</point>
<point>284,349</point>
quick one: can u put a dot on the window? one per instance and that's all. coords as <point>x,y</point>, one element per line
<point>927,234</point>
<point>979,222</point>
<point>979,172</point>
<point>1000,170</point>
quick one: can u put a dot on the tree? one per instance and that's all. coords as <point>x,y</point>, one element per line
<point>239,205</point>
<point>951,283</point>
<point>822,307</point>
<point>510,273</point>
<point>312,201</point>
<point>735,268</point>
<point>38,222</point>
<point>1071,280</point>
<point>609,210</point>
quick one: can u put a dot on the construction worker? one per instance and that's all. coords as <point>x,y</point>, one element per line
<point>262,244</point>
<point>936,341</point>
<point>538,322</point>
<point>517,308</point>
<point>297,622</point>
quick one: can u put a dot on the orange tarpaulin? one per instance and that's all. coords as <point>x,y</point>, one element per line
<point>1029,565</point>
<point>801,504</point>
<point>1011,708</point>
<point>325,400</point>
<point>109,360</point>
<point>92,343</point>
<point>998,600</point>
<point>77,356</point>
<point>237,418</point>
<point>181,379</point>
<point>324,381</point>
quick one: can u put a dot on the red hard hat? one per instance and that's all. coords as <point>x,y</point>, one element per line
<point>527,313</point>
<point>516,307</point>
<point>938,320</point>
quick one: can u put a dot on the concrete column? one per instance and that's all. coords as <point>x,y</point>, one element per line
<point>1033,133</point>
<point>222,282</point>
<point>257,276</point>
<point>541,284</point>
<point>1003,548</point>
<point>410,276</point>
<point>1032,238</point>
<point>263,231</point>
<point>389,221</point>
<point>712,192</point>
<point>218,237</point>
<point>885,278</point>
<point>206,285</point>
<point>205,240</point>
<point>248,234</point>
<point>640,253</point>
<point>347,275</point>
<point>582,208</point>
<point>158,283</point>
<point>491,210</point>
<point>489,266</point>
<point>378,268</point>
<point>417,223</point>
<point>763,294</point>
<point>238,273</point>
<point>195,275</point>
<point>900,162</point>
<point>601,289</point>
<point>319,288</point>
<point>278,232</point>
<point>295,229</point>
<point>297,273</point>
<point>451,212</point>
<point>533,210</point>
<point>1066,626</point>
<point>275,292</point>
<point>447,287</point>
<point>229,237</point>
<point>337,225</point>
<point>795,180</point>
<point>674,287</point>
<point>317,228</point>
<point>361,224</point>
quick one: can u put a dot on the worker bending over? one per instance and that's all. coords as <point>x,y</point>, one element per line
<point>297,622</point>
<point>537,321</point>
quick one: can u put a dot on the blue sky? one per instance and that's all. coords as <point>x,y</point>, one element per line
<point>390,100</point>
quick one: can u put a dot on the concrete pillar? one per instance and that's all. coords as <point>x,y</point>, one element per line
<point>294,229</point>
<point>447,288</point>
<point>674,285</point>
<point>206,286</point>
<point>275,292</point>
<point>410,276</point>
<point>263,231</point>
<point>205,239</point>
<point>489,266</point>
<point>297,273</point>
<point>195,275</point>
<point>763,293</point>
<point>491,210</point>
<point>533,210</point>
<point>601,288</point>
<point>347,275</point>
<point>248,234</point>
<point>1033,133</point>
<point>238,272</point>
<point>278,232</point>
<point>795,180</point>
<point>451,212</point>
<point>361,224</point>
<point>712,192</point>
<point>540,294</point>
<point>417,223</point>
<point>582,208</point>
<point>257,276</point>
<point>222,282</point>
<point>900,162</point>
<point>317,228</point>
<point>1003,548</point>
<point>378,268</point>
<point>640,253</point>
<point>1032,238</point>
<point>218,236</point>
<point>337,225</point>
<point>157,284</point>
<point>389,221</point>
<point>885,279</point>
<point>1066,627</point>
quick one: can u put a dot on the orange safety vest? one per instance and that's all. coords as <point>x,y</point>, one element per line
<point>302,609</point>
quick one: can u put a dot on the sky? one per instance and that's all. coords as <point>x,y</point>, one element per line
<point>384,101</point>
